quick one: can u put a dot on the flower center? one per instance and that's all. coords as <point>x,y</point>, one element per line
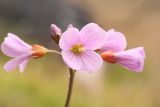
<point>77,49</point>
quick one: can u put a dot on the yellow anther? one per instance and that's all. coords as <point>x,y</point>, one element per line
<point>77,49</point>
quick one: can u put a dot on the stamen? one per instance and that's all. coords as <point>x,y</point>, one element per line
<point>77,49</point>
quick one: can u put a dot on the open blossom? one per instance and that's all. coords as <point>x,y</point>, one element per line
<point>78,47</point>
<point>113,52</point>
<point>20,51</point>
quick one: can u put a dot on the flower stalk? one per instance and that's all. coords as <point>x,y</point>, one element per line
<point>70,88</point>
<point>54,51</point>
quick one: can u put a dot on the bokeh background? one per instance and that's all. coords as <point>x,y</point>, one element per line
<point>44,82</point>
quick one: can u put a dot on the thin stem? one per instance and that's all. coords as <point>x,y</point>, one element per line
<point>54,51</point>
<point>56,38</point>
<point>69,94</point>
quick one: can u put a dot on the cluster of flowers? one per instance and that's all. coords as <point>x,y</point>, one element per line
<point>82,50</point>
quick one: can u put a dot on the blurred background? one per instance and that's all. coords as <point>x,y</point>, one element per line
<point>44,82</point>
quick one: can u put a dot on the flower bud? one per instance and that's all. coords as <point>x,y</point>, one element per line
<point>55,30</point>
<point>55,33</point>
<point>70,25</point>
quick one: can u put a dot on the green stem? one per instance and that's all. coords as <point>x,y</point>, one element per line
<point>54,51</point>
<point>69,94</point>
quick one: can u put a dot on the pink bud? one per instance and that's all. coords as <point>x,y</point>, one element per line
<point>55,33</point>
<point>55,30</point>
<point>70,25</point>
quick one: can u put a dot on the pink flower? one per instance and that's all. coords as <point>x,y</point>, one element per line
<point>20,51</point>
<point>78,47</point>
<point>113,52</point>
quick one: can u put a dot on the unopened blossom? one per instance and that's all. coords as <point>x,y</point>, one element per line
<point>78,47</point>
<point>55,33</point>
<point>113,52</point>
<point>55,30</point>
<point>20,52</point>
<point>70,25</point>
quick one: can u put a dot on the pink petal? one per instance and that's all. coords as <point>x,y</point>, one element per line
<point>115,41</point>
<point>72,60</point>
<point>91,61</point>
<point>69,38</point>
<point>132,59</point>
<point>22,65</point>
<point>18,40</point>
<point>13,63</point>
<point>13,46</point>
<point>92,36</point>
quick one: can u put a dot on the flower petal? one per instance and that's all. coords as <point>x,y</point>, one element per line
<point>13,63</point>
<point>115,41</point>
<point>132,59</point>
<point>13,46</point>
<point>18,40</point>
<point>72,60</point>
<point>92,36</point>
<point>22,65</point>
<point>91,61</point>
<point>69,38</point>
